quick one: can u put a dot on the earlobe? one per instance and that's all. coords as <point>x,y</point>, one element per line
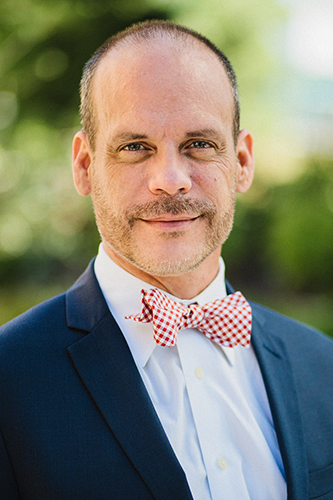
<point>81,163</point>
<point>245,158</point>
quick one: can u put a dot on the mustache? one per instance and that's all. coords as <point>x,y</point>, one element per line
<point>173,205</point>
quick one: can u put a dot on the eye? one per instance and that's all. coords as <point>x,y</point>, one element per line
<point>134,152</point>
<point>200,150</point>
<point>199,145</point>
<point>134,146</point>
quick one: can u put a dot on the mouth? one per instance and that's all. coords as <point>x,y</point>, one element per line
<point>170,222</point>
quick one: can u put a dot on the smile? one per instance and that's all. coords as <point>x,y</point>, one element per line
<point>173,223</point>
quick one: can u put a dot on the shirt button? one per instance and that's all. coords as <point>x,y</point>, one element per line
<point>199,372</point>
<point>222,463</point>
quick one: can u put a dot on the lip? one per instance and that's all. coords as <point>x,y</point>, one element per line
<point>170,218</point>
<point>166,222</point>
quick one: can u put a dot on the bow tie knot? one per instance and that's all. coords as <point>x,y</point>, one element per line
<point>193,316</point>
<point>225,321</point>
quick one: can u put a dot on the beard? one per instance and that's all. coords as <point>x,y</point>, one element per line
<point>118,230</point>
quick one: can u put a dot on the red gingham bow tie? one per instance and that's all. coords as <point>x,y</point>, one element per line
<point>225,321</point>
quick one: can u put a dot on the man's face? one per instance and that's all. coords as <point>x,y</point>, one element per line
<point>164,172</point>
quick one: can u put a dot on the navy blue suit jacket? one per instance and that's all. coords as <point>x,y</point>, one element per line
<point>77,423</point>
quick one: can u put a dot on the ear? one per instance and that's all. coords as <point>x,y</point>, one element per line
<point>81,163</point>
<point>244,151</point>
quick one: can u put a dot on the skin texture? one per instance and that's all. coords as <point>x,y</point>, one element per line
<point>165,170</point>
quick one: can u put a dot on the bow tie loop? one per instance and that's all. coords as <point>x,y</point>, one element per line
<point>225,321</point>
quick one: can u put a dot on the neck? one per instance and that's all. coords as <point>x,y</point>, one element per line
<point>184,286</point>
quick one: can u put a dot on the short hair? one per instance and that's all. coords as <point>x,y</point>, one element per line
<point>137,33</point>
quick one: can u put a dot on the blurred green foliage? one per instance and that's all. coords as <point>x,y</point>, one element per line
<point>281,249</point>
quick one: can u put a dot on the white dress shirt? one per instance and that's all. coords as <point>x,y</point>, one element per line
<point>211,400</point>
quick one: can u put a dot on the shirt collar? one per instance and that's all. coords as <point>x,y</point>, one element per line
<point>122,292</point>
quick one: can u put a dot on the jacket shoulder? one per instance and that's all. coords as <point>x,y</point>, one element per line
<point>290,330</point>
<point>37,317</point>
<point>310,350</point>
<point>51,315</point>
<point>38,330</point>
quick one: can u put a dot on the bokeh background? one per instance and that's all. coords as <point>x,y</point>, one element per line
<point>280,252</point>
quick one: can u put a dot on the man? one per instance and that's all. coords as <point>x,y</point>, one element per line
<point>92,407</point>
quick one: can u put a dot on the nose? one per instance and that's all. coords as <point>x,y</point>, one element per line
<point>169,174</point>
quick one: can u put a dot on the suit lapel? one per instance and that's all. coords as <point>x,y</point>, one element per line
<point>107,369</point>
<point>277,373</point>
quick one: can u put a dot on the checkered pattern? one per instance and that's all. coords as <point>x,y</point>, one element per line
<point>225,321</point>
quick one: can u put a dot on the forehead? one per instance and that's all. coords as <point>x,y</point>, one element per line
<point>161,78</point>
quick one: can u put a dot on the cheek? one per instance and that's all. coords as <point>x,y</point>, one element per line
<point>205,177</point>
<point>112,180</point>
<point>218,171</point>
<point>126,188</point>
<point>215,183</point>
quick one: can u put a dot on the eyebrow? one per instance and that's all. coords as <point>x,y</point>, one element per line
<point>205,132</point>
<point>132,136</point>
<point>129,136</point>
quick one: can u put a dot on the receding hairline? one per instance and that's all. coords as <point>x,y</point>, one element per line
<point>137,39</point>
<point>137,35</point>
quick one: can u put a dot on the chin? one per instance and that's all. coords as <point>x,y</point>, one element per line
<point>168,267</point>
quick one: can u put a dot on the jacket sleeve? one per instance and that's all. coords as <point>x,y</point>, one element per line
<point>8,486</point>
